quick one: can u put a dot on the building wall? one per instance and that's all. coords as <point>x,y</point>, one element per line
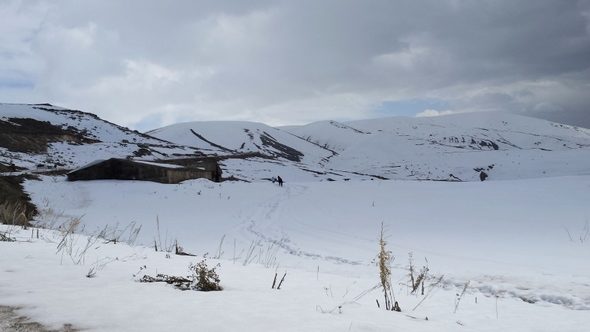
<point>176,176</point>
<point>120,169</point>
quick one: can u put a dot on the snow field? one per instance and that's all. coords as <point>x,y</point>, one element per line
<point>508,239</point>
<point>54,292</point>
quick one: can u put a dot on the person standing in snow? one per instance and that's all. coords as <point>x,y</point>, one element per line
<point>483,176</point>
<point>280,180</point>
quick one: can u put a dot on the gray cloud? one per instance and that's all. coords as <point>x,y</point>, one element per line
<point>280,62</point>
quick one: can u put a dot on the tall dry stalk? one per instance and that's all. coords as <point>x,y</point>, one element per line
<point>385,259</point>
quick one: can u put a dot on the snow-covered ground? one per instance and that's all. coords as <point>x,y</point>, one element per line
<point>523,246</point>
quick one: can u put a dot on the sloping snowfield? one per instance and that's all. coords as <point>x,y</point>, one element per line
<point>522,247</point>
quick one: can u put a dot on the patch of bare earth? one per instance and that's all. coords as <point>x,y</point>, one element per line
<point>10,321</point>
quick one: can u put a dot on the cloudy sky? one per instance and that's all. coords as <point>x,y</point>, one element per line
<point>145,64</point>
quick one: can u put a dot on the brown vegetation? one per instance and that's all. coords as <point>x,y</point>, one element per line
<point>15,204</point>
<point>29,135</point>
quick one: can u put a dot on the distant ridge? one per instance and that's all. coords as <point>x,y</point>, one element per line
<point>447,148</point>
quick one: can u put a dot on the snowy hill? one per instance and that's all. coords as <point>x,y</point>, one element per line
<point>469,131</point>
<point>449,148</point>
<point>230,137</point>
<point>454,147</point>
<point>49,136</point>
<point>254,151</point>
<point>506,146</point>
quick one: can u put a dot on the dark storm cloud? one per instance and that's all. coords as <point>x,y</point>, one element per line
<point>297,61</point>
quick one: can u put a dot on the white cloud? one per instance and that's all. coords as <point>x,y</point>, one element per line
<point>431,112</point>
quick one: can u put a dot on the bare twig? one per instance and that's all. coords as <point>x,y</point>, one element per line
<point>281,282</point>
<point>460,296</point>
<point>432,287</point>
<point>220,248</point>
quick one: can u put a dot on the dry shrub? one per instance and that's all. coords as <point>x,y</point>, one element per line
<point>206,279</point>
<point>202,279</point>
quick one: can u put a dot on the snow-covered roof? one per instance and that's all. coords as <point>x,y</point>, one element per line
<point>157,164</point>
<point>96,162</point>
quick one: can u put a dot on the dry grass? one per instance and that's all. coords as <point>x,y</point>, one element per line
<point>416,280</point>
<point>14,213</point>
<point>15,205</point>
<point>385,259</point>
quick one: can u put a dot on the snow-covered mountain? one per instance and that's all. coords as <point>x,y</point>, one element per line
<point>506,146</point>
<point>49,136</point>
<point>455,147</point>
<point>234,137</point>
<point>449,148</point>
